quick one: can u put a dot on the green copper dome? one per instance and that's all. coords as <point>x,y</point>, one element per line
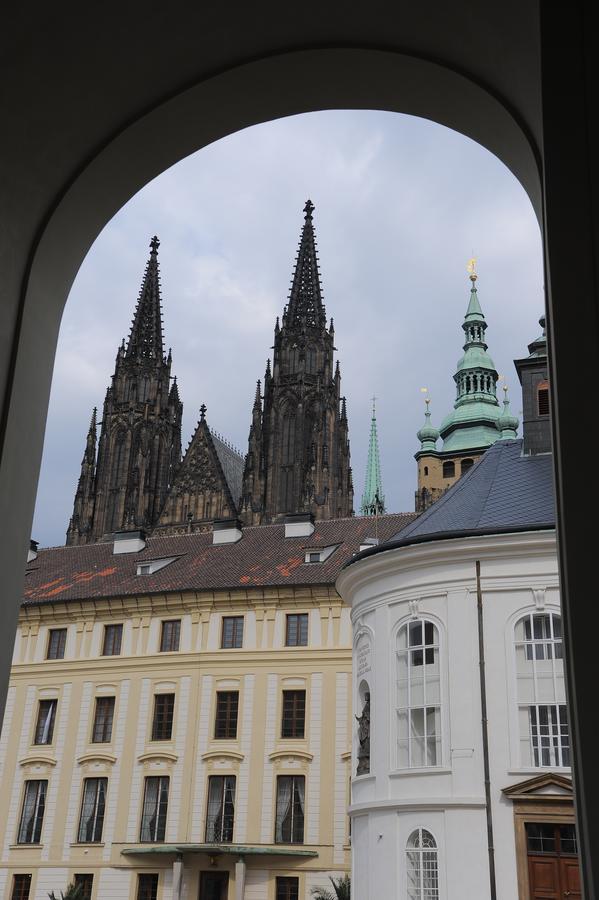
<point>507,423</point>
<point>428,434</point>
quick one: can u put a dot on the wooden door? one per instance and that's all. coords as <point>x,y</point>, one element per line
<point>553,869</point>
<point>214,885</point>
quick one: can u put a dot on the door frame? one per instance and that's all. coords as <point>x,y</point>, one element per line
<point>224,872</point>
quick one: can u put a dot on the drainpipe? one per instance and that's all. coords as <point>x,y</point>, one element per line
<point>485,733</point>
<point>178,877</point>
<point>240,878</point>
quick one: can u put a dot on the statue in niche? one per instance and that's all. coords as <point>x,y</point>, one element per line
<point>364,738</point>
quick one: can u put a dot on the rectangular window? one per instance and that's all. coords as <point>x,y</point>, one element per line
<point>32,814</point>
<point>294,714</point>
<point>549,735</point>
<point>419,741</point>
<point>171,634</point>
<point>287,888</point>
<point>102,728</point>
<point>113,636</point>
<point>92,810</point>
<point>162,723</point>
<point>232,636</point>
<point>44,728</point>
<point>289,826</point>
<point>57,641</point>
<point>86,881</point>
<point>225,724</point>
<point>221,809</point>
<point>147,886</point>
<point>20,887</point>
<point>297,630</point>
<point>153,819</point>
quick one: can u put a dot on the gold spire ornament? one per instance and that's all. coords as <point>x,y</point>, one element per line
<point>471,269</point>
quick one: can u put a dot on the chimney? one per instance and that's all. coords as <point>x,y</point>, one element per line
<point>299,525</point>
<point>128,541</point>
<point>226,531</point>
<point>369,543</point>
<point>32,552</point>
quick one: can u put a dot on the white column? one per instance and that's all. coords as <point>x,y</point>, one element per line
<point>239,879</point>
<point>177,877</point>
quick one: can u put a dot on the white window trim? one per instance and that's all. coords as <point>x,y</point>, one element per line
<point>323,554</point>
<point>150,566</point>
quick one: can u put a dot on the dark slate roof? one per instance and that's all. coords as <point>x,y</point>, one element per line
<point>233,464</point>
<point>263,557</point>
<point>504,491</point>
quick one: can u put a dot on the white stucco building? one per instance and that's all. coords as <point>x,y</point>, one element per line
<point>457,642</point>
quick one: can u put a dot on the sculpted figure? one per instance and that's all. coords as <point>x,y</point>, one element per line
<point>364,738</point>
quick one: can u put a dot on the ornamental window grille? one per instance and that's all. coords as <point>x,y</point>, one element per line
<point>220,816</point>
<point>32,814</point>
<point>170,636</point>
<point>294,714</point>
<point>103,718</point>
<point>113,637</point>
<point>46,716</point>
<point>541,695</point>
<point>289,824</point>
<point>225,721</point>
<point>57,641</point>
<point>422,866</point>
<point>296,631</point>
<point>232,633</point>
<point>91,820</point>
<point>20,887</point>
<point>162,722</point>
<point>147,886</point>
<point>418,695</point>
<point>86,882</point>
<point>287,887</point>
<point>155,807</point>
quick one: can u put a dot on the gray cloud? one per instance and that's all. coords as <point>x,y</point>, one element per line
<point>401,203</point>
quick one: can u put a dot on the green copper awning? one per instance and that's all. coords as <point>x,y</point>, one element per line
<point>215,850</point>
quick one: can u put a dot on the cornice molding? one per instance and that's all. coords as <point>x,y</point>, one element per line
<point>158,755</point>
<point>37,759</point>
<point>301,754</point>
<point>223,754</point>
<point>96,757</point>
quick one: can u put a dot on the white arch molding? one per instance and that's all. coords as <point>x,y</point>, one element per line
<point>517,77</point>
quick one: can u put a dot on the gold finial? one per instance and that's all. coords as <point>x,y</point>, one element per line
<point>471,269</point>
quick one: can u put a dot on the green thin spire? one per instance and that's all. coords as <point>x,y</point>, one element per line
<point>373,499</point>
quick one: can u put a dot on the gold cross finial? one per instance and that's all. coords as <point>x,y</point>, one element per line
<point>471,269</point>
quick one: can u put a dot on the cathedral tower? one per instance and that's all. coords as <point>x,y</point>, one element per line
<point>139,448</point>
<point>373,498</point>
<point>298,454</point>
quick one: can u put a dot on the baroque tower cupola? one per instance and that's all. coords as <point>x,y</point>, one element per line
<point>298,451</point>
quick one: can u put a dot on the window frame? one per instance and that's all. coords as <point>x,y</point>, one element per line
<point>112,646</point>
<point>56,651</point>
<point>236,637</point>
<point>102,698</point>
<point>86,879</point>
<point>218,716</point>
<point>223,830</point>
<point>97,810</point>
<point>37,817</point>
<point>146,889</point>
<point>292,810</point>
<point>293,695</point>
<point>170,633</point>
<point>21,894</point>
<point>298,642</point>
<point>38,734</point>
<point>428,708</point>
<point>284,887</point>
<point>163,717</point>
<point>158,831</point>
<point>419,891</point>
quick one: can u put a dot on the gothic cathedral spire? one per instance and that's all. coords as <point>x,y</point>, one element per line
<point>373,499</point>
<point>139,449</point>
<point>298,454</point>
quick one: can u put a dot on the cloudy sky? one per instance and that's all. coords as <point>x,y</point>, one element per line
<point>401,205</point>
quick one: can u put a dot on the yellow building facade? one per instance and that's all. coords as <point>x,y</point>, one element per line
<point>179,718</point>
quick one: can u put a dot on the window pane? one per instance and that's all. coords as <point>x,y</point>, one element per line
<point>294,714</point>
<point>57,641</point>
<point>287,888</point>
<point>32,814</point>
<point>21,887</point>
<point>92,810</point>
<point>549,735</point>
<point>232,636</point>
<point>225,725</point>
<point>153,820</point>
<point>162,723</point>
<point>297,630</point>
<point>567,839</point>
<point>422,866</point>
<point>171,632</point>
<point>113,635</point>
<point>45,722</point>
<point>147,887</point>
<point>102,729</point>
<point>540,837</point>
<point>221,809</point>
<point>289,825</point>
<point>86,881</point>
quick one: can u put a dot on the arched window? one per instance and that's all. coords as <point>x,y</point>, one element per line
<point>543,398</point>
<point>542,713</point>
<point>426,470</point>
<point>467,464</point>
<point>418,698</point>
<point>422,866</point>
<point>448,469</point>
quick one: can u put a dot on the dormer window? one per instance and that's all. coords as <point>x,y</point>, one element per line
<point>150,566</point>
<point>319,554</point>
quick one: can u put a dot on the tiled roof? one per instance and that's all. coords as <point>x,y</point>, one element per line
<point>263,557</point>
